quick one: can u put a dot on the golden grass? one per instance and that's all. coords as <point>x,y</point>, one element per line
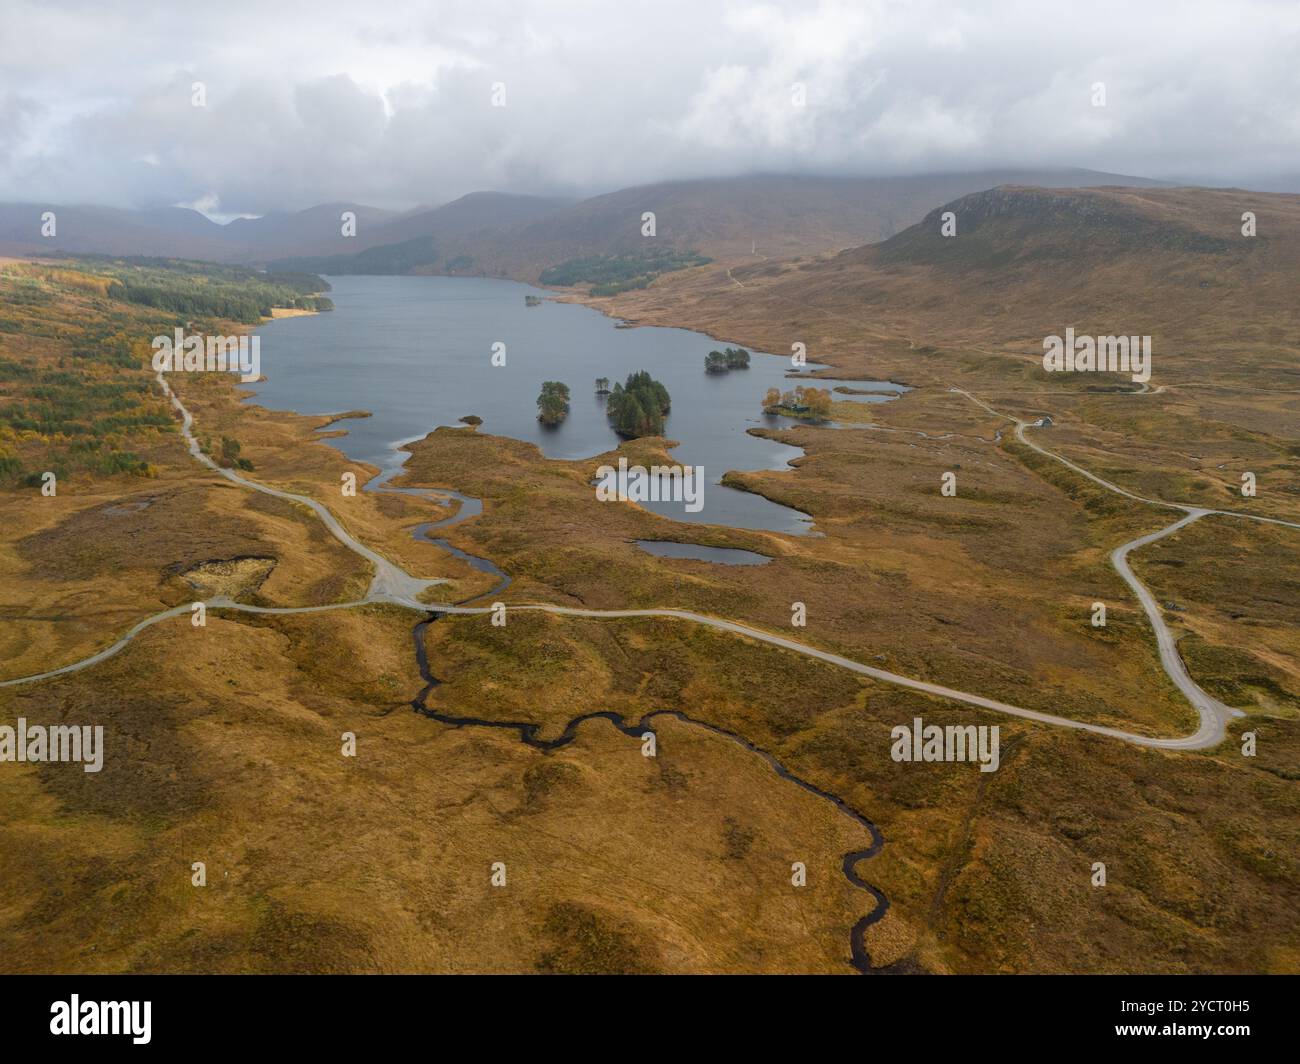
<point>224,741</point>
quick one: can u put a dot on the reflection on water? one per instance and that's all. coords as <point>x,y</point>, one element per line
<point>417,353</point>
<point>699,552</point>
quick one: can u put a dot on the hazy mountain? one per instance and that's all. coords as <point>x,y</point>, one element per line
<point>183,233</point>
<point>441,239</point>
<point>169,231</point>
<point>1006,225</point>
<point>470,215</point>
<point>775,215</point>
<point>1026,263</point>
<point>497,233</point>
<point>316,230</point>
<point>1042,255</point>
<point>772,215</point>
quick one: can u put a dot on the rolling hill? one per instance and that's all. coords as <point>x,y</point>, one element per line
<point>178,232</point>
<point>501,234</point>
<point>770,214</point>
<point>444,239</point>
<point>1025,263</point>
<point>167,232</point>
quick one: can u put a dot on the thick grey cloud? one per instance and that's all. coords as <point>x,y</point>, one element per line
<point>392,103</point>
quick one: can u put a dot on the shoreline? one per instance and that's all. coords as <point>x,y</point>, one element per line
<point>396,468</point>
<point>605,305</point>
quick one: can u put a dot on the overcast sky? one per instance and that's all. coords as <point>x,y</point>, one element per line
<point>391,102</point>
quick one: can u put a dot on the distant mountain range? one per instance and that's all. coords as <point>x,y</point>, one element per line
<point>1028,257</point>
<point>1025,263</point>
<point>500,234</point>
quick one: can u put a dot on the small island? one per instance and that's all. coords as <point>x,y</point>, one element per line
<point>532,301</point>
<point>807,404</point>
<point>725,360</point>
<point>638,408</point>
<point>602,385</point>
<point>553,403</point>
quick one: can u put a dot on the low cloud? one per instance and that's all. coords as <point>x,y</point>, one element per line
<point>392,104</point>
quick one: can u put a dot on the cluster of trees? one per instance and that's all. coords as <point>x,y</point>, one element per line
<point>65,405</point>
<point>419,254</point>
<point>81,404</point>
<point>553,403</point>
<point>93,457</point>
<point>202,290</point>
<point>94,461</point>
<point>726,359</point>
<point>638,408</point>
<point>88,406</point>
<point>229,456</point>
<point>611,274</point>
<point>812,404</point>
<point>602,385</point>
<point>247,304</point>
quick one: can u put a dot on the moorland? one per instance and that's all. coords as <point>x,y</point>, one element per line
<point>227,737</point>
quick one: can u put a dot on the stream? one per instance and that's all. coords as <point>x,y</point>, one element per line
<point>530,732</point>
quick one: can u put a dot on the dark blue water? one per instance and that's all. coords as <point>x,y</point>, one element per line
<point>416,353</point>
<point>877,391</point>
<point>699,552</point>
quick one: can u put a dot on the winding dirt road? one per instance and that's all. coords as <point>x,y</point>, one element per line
<point>1214,715</point>
<point>394,586</point>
